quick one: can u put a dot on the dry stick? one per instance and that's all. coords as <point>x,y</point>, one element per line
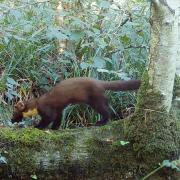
<point>153,172</point>
<point>152,110</point>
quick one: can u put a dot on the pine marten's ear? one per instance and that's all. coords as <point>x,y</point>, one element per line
<point>20,106</point>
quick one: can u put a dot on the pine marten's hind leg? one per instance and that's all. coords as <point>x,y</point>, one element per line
<point>57,122</point>
<point>100,105</point>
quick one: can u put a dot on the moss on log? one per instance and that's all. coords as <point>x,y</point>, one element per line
<point>83,153</point>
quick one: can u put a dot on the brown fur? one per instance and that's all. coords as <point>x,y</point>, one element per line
<point>76,90</point>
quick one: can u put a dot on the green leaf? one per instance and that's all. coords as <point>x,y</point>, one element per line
<point>9,96</point>
<point>17,14</point>
<point>84,65</point>
<point>12,81</point>
<point>3,160</point>
<point>108,60</point>
<point>76,35</point>
<point>37,32</point>
<point>34,177</point>
<point>125,39</point>
<point>28,28</point>
<point>77,22</point>
<point>14,93</point>
<point>104,4</point>
<point>102,43</point>
<point>55,33</point>
<point>172,165</point>
<point>120,143</point>
<point>103,70</point>
<point>2,47</point>
<point>99,62</point>
<point>124,142</point>
<point>96,31</point>
<point>166,163</point>
<point>45,48</point>
<point>9,85</point>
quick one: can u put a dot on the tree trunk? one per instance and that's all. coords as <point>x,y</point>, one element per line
<point>163,50</point>
<point>154,132</point>
<point>176,99</point>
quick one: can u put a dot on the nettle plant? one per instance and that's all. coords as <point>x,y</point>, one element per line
<point>101,39</point>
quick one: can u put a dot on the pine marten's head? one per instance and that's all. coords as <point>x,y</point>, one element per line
<point>21,111</point>
<point>18,112</point>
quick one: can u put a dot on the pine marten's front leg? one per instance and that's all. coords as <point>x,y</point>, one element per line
<point>48,115</point>
<point>57,121</point>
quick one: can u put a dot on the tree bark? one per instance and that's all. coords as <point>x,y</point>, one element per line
<point>154,132</point>
<point>163,50</point>
<point>176,99</point>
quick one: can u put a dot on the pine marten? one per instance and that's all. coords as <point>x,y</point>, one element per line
<point>71,91</point>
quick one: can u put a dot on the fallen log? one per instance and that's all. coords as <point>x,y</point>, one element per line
<point>82,153</point>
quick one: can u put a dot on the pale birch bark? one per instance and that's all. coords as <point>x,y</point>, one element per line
<point>178,48</point>
<point>176,100</point>
<point>163,49</point>
<point>152,130</point>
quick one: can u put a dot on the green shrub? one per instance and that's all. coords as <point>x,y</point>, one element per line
<point>103,41</point>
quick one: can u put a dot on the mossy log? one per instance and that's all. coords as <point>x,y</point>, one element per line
<point>82,153</point>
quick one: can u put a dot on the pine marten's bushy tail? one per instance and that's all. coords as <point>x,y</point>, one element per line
<point>121,85</point>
